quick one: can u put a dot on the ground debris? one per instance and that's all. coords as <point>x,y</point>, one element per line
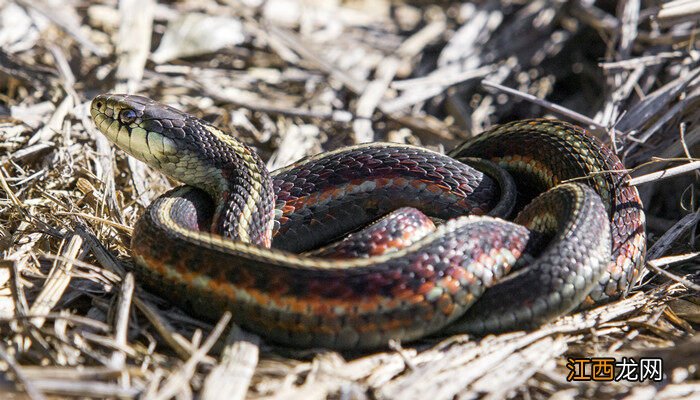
<point>294,78</point>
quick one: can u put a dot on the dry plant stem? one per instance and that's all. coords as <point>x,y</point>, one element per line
<point>31,390</point>
<point>121,321</point>
<point>671,236</point>
<point>652,103</point>
<point>678,11</point>
<point>134,41</point>
<point>546,104</point>
<point>175,341</point>
<point>370,99</point>
<point>85,388</point>
<point>181,378</point>
<point>58,280</point>
<point>634,63</point>
<point>655,265</point>
<point>75,319</point>
<point>231,378</point>
<point>665,174</point>
<point>65,73</point>
<point>422,89</point>
<point>460,367</point>
<point>295,43</point>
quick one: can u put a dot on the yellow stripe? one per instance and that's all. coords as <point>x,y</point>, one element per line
<point>255,192</point>
<point>291,260</point>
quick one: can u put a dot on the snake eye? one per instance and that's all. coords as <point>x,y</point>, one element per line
<point>127,116</point>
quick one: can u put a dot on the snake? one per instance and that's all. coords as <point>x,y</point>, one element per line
<point>237,237</point>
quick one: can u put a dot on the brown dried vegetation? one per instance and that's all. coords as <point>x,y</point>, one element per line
<point>293,79</point>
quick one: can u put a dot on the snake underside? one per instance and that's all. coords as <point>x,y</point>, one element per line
<point>233,242</point>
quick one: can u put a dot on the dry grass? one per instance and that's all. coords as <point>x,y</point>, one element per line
<point>295,79</point>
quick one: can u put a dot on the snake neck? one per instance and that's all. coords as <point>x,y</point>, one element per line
<point>238,181</point>
<point>245,202</point>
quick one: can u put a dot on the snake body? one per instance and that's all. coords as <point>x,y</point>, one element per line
<point>540,154</point>
<point>240,252</point>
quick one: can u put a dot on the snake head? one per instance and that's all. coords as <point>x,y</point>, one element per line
<point>191,151</point>
<point>145,129</point>
<point>181,146</point>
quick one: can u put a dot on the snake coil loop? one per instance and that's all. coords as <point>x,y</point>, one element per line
<point>231,238</point>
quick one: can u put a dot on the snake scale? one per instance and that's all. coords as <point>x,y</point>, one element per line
<point>237,237</point>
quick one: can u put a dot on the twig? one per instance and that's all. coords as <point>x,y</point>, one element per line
<point>182,377</point>
<point>231,378</point>
<point>665,174</point>
<point>58,280</point>
<point>126,229</point>
<point>655,265</point>
<point>33,392</point>
<point>121,320</point>
<point>672,235</point>
<point>633,63</point>
<point>546,104</point>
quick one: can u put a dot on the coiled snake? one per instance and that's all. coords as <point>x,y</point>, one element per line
<point>582,239</point>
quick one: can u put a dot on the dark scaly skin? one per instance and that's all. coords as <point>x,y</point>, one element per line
<point>541,154</point>
<point>312,302</point>
<point>348,304</point>
<point>555,284</point>
<point>323,197</point>
<point>396,231</point>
